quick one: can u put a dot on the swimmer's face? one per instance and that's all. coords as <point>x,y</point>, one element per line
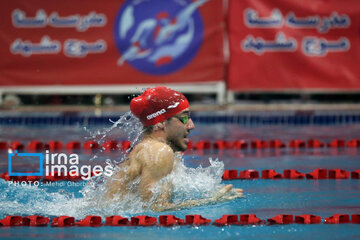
<point>177,129</point>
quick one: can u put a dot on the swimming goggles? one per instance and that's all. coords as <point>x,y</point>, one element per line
<point>184,119</point>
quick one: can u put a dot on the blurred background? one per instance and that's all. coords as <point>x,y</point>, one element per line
<point>222,53</point>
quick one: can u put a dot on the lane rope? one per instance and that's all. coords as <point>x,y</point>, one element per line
<point>112,145</point>
<point>319,173</point>
<point>171,220</point>
<point>229,174</point>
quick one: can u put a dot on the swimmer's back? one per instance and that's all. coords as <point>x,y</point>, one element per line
<point>150,157</point>
<point>150,160</point>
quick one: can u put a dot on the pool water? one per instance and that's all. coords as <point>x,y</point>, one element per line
<point>264,197</point>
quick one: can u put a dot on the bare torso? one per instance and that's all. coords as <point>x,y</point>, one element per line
<point>150,161</point>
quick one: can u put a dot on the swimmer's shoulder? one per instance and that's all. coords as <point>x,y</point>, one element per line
<point>154,152</point>
<point>161,147</point>
<point>152,146</point>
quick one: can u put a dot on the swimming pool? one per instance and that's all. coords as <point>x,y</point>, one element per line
<point>264,197</point>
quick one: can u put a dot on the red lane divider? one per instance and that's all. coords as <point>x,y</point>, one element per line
<point>54,145</point>
<point>202,145</point>
<point>3,146</point>
<point>35,221</point>
<point>110,145</point>
<point>259,144</point>
<point>91,145</point>
<point>293,174</point>
<point>90,221</point>
<point>190,145</point>
<point>271,174</point>
<point>353,143</point>
<point>227,220</point>
<point>38,146</point>
<point>63,221</point>
<point>143,221</point>
<point>73,145</point>
<point>170,220</point>
<point>16,146</point>
<point>249,174</point>
<point>281,219</point>
<point>276,143</point>
<point>196,220</point>
<point>355,218</point>
<point>336,143</point>
<point>307,219</point>
<point>221,145</point>
<point>10,221</point>
<point>125,145</point>
<point>35,146</point>
<point>240,144</point>
<point>117,221</point>
<point>250,219</point>
<point>314,143</point>
<point>338,218</point>
<point>318,173</point>
<point>296,143</point>
<point>229,174</point>
<point>355,174</point>
<point>338,174</point>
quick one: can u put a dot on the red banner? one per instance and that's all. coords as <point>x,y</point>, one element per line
<point>287,45</point>
<point>76,42</point>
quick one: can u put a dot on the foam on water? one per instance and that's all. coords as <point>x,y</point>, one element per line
<point>188,184</point>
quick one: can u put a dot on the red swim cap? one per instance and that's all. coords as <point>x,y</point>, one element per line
<point>158,104</point>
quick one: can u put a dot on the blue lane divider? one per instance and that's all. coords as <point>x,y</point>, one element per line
<point>240,119</point>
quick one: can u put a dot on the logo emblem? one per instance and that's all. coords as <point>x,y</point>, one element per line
<point>33,155</point>
<point>159,36</point>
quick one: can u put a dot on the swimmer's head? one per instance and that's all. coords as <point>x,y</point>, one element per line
<point>157,105</point>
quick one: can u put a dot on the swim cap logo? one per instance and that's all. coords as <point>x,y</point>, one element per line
<point>174,106</point>
<point>158,36</point>
<point>151,116</point>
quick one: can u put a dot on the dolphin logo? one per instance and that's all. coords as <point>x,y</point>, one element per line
<point>158,40</point>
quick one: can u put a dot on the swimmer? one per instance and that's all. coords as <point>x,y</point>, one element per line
<point>165,115</point>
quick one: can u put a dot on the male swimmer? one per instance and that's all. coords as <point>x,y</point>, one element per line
<point>165,115</point>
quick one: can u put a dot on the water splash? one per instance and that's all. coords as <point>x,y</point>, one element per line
<point>188,184</point>
<point>30,200</point>
<point>127,126</point>
<point>195,183</point>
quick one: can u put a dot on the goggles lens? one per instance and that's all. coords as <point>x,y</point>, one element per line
<point>184,119</point>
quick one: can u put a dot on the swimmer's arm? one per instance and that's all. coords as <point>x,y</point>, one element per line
<point>118,183</point>
<point>113,185</point>
<point>224,194</point>
<point>171,206</point>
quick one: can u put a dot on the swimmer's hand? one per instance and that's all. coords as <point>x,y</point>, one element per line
<point>228,193</point>
<point>224,194</point>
